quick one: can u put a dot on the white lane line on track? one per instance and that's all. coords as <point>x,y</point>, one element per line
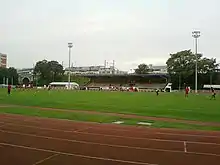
<point>173,134</point>
<point>47,158</point>
<point>83,142</point>
<point>3,125</point>
<point>162,133</point>
<point>77,155</point>
<point>117,129</point>
<point>80,130</point>
<point>111,145</point>
<point>185,149</point>
<point>114,136</point>
<point>142,131</point>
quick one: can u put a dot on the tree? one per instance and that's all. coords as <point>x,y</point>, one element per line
<point>56,71</point>
<point>181,65</point>
<point>48,71</point>
<point>10,74</point>
<point>3,75</point>
<point>142,69</point>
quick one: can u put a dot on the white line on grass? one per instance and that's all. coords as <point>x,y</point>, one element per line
<point>77,155</point>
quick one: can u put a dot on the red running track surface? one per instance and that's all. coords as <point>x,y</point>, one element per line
<point>40,141</point>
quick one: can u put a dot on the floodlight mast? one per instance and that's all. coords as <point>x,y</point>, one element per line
<point>196,35</point>
<point>70,45</point>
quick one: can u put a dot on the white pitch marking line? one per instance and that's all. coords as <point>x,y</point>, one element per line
<point>110,145</point>
<point>77,155</point>
<point>185,149</point>
<point>49,157</point>
<point>116,136</point>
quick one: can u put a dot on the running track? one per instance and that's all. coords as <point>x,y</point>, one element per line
<point>41,141</point>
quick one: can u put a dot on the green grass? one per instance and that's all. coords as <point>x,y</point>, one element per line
<point>98,118</point>
<point>171,105</point>
<point>58,114</point>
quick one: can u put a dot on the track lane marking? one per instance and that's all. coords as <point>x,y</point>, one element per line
<point>116,136</point>
<point>119,129</point>
<point>185,149</point>
<point>83,142</point>
<point>162,133</point>
<point>109,145</point>
<point>139,131</point>
<point>47,158</point>
<point>77,155</point>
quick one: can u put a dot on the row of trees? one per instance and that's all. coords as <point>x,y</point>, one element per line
<point>51,71</point>
<point>181,68</point>
<point>44,73</point>
<point>8,75</point>
<point>48,71</point>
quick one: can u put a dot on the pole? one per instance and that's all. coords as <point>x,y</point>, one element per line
<point>179,82</point>
<point>196,35</point>
<point>33,74</point>
<point>113,66</point>
<point>69,67</point>
<point>196,69</point>
<point>70,45</point>
<point>12,82</point>
<point>36,79</point>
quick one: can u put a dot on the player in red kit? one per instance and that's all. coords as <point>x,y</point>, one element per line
<point>9,89</point>
<point>186,91</point>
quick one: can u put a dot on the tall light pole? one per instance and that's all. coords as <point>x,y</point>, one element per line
<point>70,45</point>
<point>196,35</point>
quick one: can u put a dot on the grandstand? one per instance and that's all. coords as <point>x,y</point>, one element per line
<point>142,82</point>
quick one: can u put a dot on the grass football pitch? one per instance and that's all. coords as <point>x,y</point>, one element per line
<point>169,105</point>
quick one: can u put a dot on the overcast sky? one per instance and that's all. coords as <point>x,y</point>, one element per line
<point>127,31</point>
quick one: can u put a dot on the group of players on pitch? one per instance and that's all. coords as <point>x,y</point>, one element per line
<point>212,91</point>
<point>187,90</point>
<point>157,92</point>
